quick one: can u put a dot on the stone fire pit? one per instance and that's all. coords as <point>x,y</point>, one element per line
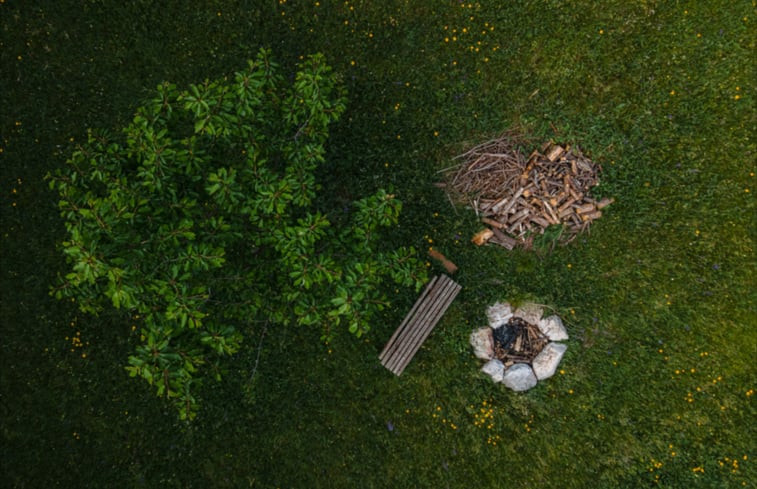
<point>520,347</point>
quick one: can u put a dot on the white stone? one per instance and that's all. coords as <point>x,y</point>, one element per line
<point>553,328</point>
<point>483,343</point>
<point>499,314</point>
<point>495,369</point>
<point>531,313</point>
<point>546,362</point>
<point>519,377</point>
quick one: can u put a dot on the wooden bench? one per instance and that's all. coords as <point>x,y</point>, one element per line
<point>417,325</point>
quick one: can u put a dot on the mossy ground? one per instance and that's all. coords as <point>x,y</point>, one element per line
<point>656,388</point>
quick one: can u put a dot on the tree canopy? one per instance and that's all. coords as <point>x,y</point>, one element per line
<point>199,219</point>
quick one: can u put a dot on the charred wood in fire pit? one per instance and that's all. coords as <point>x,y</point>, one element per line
<point>518,341</point>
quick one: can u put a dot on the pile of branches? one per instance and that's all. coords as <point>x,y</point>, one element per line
<point>519,196</point>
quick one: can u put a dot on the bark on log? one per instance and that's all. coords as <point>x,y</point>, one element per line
<point>502,239</point>
<point>446,263</point>
<point>585,208</point>
<point>554,153</point>
<point>605,202</point>
<point>482,237</point>
<point>591,216</point>
<point>493,223</point>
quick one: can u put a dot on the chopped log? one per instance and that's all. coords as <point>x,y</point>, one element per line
<point>446,263</point>
<point>554,152</point>
<point>482,237</point>
<point>494,208</point>
<point>540,221</point>
<point>510,204</point>
<point>551,214</point>
<point>583,165</point>
<point>566,205</point>
<point>518,216</point>
<point>493,223</point>
<point>591,216</point>
<point>605,202</point>
<point>502,239</point>
<point>585,208</point>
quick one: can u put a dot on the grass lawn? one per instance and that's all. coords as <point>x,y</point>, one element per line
<point>656,388</point>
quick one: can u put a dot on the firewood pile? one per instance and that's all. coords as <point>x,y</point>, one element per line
<point>519,196</point>
<point>518,341</point>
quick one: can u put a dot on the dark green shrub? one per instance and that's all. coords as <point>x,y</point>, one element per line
<point>200,220</point>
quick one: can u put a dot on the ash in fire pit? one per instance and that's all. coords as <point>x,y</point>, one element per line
<point>518,342</point>
<point>520,347</point>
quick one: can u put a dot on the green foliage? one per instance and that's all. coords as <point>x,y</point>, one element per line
<point>672,261</point>
<point>200,220</point>
<point>546,242</point>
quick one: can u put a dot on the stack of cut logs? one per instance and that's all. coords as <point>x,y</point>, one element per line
<point>518,196</point>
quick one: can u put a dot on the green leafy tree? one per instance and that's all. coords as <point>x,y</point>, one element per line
<point>200,219</point>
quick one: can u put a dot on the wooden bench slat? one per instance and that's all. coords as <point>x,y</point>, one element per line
<point>421,305</point>
<point>401,327</point>
<point>411,320</point>
<point>418,324</point>
<point>425,326</point>
<point>425,318</point>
